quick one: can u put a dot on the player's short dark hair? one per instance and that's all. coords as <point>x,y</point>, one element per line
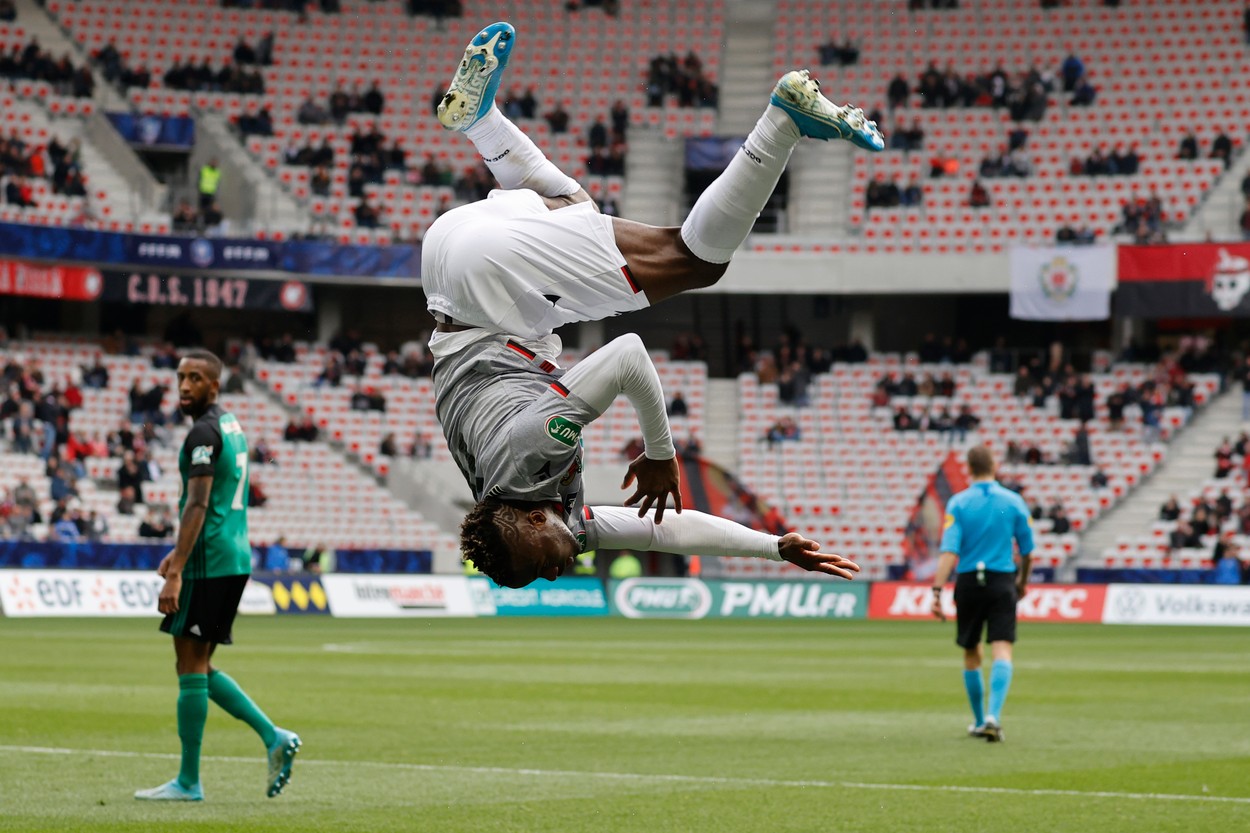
<point>208,357</point>
<point>482,542</point>
<point>980,461</point>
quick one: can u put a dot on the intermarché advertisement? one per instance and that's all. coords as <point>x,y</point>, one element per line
<point>679,598</point>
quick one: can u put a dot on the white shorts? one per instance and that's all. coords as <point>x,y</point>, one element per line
<point>509,264</point>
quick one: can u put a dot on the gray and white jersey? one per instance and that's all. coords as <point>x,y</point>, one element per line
<point>513,429</point>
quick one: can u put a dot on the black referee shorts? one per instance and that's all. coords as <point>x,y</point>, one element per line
<point>206,609</point>
<point>978,604</point>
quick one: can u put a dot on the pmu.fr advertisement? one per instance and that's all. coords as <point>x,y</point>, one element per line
<point>679,598</point>
<point>1041,602</point>
<point>397,596</point>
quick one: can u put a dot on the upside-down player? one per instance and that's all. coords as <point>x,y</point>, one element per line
<point>204,579</point>
<point>501,274</point>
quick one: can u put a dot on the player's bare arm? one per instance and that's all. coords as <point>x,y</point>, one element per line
<point>1022,575</point>
<point>189,527</point>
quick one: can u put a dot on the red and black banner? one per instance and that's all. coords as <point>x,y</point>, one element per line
<point>1199,280</point>
<point>923,536</point>
<point>709,488</point>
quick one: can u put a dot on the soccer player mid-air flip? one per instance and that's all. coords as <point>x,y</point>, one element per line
<point>501,274</point>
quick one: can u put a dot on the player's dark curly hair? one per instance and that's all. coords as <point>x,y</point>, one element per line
<point>485,542</point>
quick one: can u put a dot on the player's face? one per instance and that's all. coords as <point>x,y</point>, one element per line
<point>546,549</point>
<point>197,389</point>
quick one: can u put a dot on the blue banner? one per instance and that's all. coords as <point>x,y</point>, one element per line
<point>1100,575</point>
<point>214,255</point>
<point>301,594</point>
<point>566,596</point>
<point>148,130</point>
<point>85,556</point>
<point>383,561</point>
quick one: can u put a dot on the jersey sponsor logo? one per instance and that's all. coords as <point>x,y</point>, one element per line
<point>202,455</point>
<point>229,425</point>
<point>564,431</point>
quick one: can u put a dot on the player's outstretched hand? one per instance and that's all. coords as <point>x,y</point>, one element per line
<point>657,480</point>
<point>805,553</point>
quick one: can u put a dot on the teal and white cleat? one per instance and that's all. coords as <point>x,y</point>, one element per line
<point>819,118</point>
<point>975,730</point>
<point>992,731</point>
<point>173,791</point>
<point>472,90</point>
<point>281,757</point>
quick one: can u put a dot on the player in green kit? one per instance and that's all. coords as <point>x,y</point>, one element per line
<point>204,579</point>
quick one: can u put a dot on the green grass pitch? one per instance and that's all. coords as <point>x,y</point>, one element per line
<point>615,725</point>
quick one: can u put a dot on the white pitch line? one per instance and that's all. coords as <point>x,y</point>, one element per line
<point>663,778</point>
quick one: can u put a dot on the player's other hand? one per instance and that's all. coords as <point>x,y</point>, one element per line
<point>805,553</point>
<point>656,481</point>
<point>937,608</point>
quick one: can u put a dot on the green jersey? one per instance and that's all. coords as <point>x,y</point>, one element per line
<point>215,447</point>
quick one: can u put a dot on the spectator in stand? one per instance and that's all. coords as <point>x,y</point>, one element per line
<point>1222,148</point>
<point>898,92</point>
<point>1224,459</point>
<point>1099,479</point>
<point>557,119</point>
<point>1188,147</point>
<point>318,559</point>
<point>1244,221</point>
<point>8,11</point>
<point>597,135</point>
<point>1071,71</point>
<point>782,430</point>
<point>277,558</point>
<point>1059,523</point>
<point>157,523</point>
<point>677,406</point>
<point>1084,93</point>
<point>619,116</point>
<point>131,476</point>
<point>389,447</point>
<point>256,496</point>
<point>367,215</point>
<point>373,100</point>
<point>978,197</point>
<point>913,195</point>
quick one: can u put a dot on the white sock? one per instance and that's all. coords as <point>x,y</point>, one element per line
<point>515,160</point>
<point>723,215</point>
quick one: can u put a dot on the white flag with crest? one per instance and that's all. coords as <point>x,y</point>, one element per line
<point>1072,283</point>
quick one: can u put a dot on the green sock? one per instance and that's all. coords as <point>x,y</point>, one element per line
<point>192,712</point>
<point>227,694</point>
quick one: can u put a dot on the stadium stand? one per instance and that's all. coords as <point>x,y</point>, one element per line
<point>1212,510</point>
<point>409,57</point>
<point>1206,90</point>
<point>850,480</point>
<point>315,496</point>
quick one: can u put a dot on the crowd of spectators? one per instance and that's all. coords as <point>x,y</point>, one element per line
<point>1120,161</point>
<point>907,138</point>
<point>201,77</point>
<point>1026,95</point>
<point>1083,236</point>
<point>115,69</point>
<point>905,384</point>
<point>844,54</point>
<point>682,79</point>
<point>32,62</point>
<point>1143,219</point>
<point>8,11</point>
<point>341,104</point>
<point>1221,148</point>
<point>954,427</point>
<point>884,193</point>
<point>1007,162</point>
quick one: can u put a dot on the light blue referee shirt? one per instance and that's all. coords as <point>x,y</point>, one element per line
<point>980,524</point>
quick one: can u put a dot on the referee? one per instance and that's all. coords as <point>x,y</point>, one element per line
<point>980,523</point>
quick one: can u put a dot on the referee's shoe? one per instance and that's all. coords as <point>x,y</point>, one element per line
<point>991,730</point>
